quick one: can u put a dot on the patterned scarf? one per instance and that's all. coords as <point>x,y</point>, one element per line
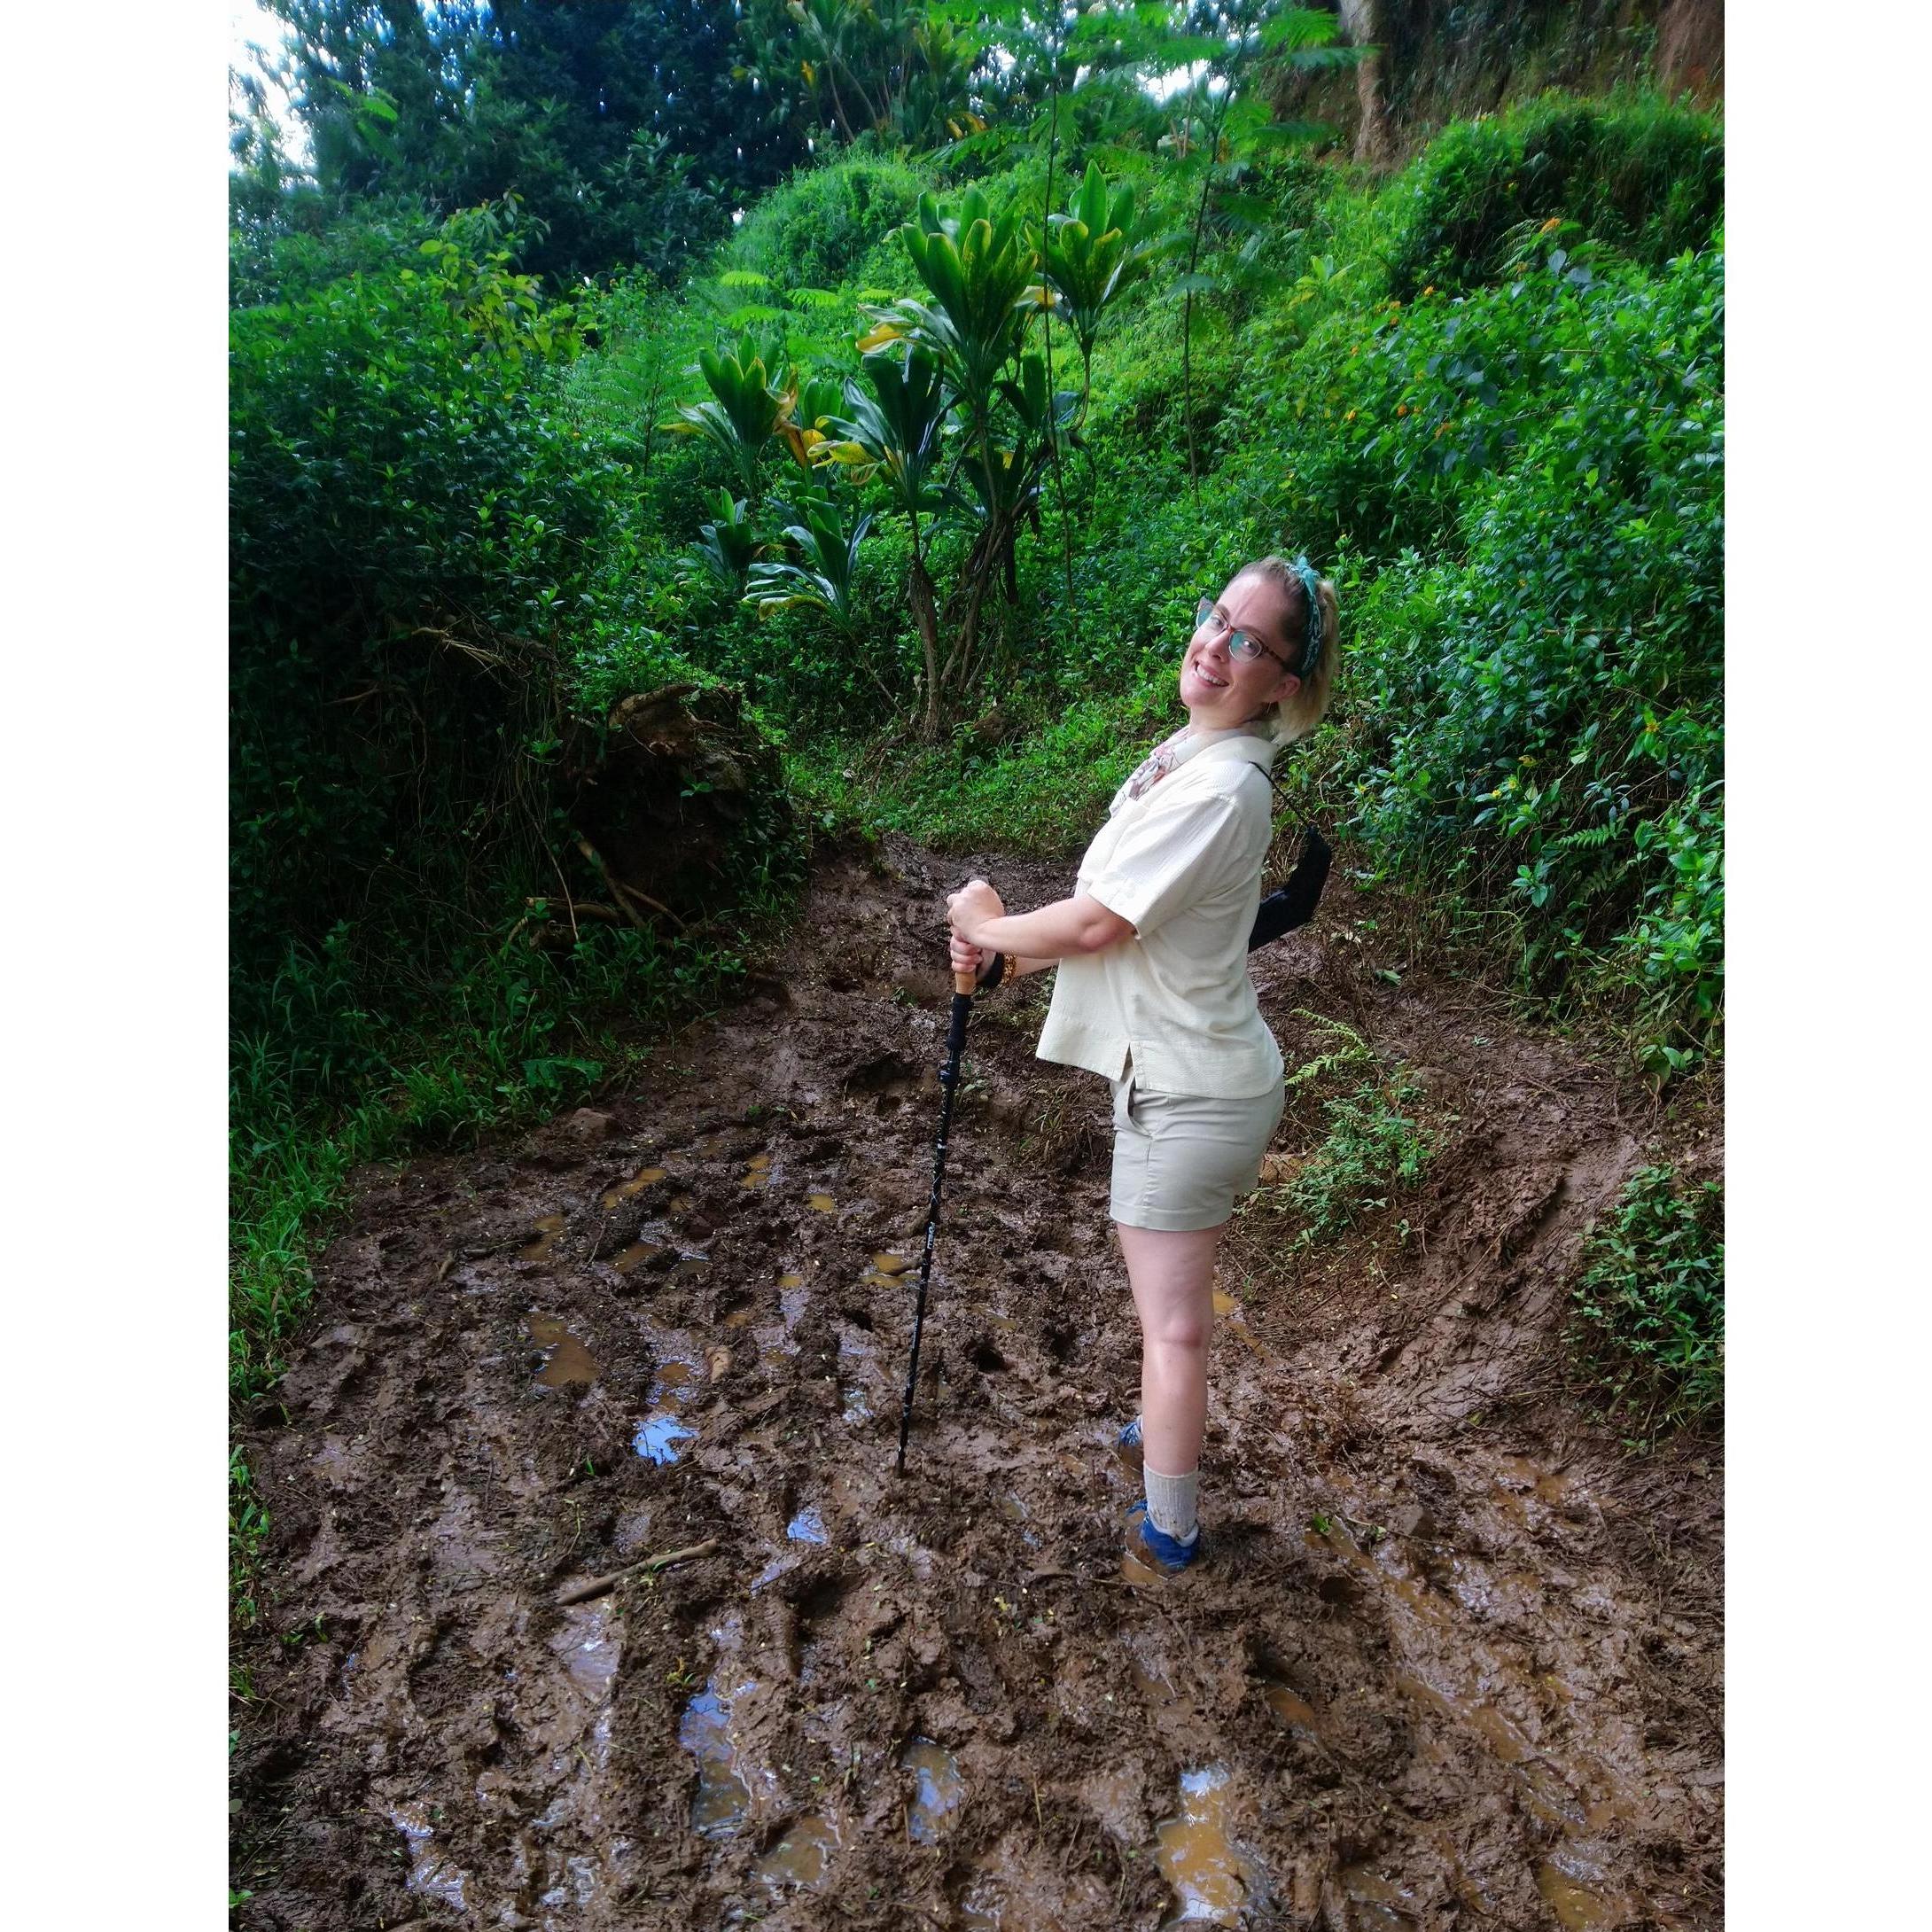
<point>1173,752</point>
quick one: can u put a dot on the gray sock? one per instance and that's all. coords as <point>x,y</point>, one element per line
<point>1171,1502</point>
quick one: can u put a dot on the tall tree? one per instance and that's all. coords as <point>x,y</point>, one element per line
<point>627,131</point>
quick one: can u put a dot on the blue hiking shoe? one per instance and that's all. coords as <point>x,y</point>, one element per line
<point>1155,1547</point>
<point>1127,1449</point>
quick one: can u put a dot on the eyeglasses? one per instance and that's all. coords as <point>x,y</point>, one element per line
<point>1240,644</point>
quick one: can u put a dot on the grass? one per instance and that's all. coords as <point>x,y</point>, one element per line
<point>523,1039</point>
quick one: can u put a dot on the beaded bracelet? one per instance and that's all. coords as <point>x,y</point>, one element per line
<point>999,970</point>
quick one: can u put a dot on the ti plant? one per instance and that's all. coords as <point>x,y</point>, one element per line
<point>979,270</point>
<point>954,419</point>
<point>904,70</point>
<point>893,435</point>
<point>828,545</point>
<point>1090,255</point>
<point>746,405</point>
<point>726,548</point>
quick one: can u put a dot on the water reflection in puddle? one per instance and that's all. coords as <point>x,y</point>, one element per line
<point>940,1789</point>
<point>722,1795</point>
<point>589,1649</point>
<point>1293,1709</point>
<point>792,1297</point>
<point>544,1233</point>
<point>659,1434</point>
<point>888,1263</point>
<point>636,1184</point>
<point>428,1873</point>
<point>658,1437</point>
<point>1577,1908</point>
<point>1196,1852</point>
<point>757,1172</point>
<point>822,1203</point>
<point>800,1856</point>
<point>1382,1905</point>
<point>568,1360</point>
<point>637,1253</point>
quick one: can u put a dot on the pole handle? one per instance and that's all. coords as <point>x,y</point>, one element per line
<point>965,984</point>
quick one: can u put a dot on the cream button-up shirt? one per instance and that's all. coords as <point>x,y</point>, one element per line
<point>1182,865</point>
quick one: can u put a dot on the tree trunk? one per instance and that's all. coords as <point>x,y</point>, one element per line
<point>926,615</point>
<point>1361,25</point>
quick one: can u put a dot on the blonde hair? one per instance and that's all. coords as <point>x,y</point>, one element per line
<point>1295,716</point>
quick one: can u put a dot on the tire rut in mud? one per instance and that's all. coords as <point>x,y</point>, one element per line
<point>1443,1668</point>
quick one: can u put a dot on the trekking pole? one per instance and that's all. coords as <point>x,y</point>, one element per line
<point>956,1041</point>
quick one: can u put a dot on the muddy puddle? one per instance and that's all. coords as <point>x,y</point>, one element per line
<point>566,1359</point>
<point>1196,1852</point>
<point>1435,1674</point>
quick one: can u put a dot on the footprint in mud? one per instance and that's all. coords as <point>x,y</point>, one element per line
<point>544,1233</point>
<point>565,1360</point>
<point>1196,1852</point>
<point>642,1178</point>
<point>639,1251</point>
<point>723,1796</point>
<point>1377,1904</point>
<point>801,1858</point>
<point>1561,1879</point>
<point>1293,1709</point>
<point>939,1791</point>
<point>659,1436</point>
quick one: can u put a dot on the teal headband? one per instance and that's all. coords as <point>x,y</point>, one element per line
<point>1312,585</point>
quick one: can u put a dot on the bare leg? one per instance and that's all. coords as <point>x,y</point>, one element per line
<point>1172,1277</point>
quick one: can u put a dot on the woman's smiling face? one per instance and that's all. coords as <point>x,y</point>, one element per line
<point>1220,689</point>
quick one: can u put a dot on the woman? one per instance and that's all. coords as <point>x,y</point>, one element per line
<point>1153,993</point>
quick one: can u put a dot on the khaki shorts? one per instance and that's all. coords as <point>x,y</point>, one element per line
<point>1181,1159</point>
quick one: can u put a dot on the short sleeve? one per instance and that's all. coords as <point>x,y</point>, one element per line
<point>1167,861</point>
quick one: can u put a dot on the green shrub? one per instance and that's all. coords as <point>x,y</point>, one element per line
<point>413,528</point>
<point>268,264</point>
<point>1640,174</point>
<point>1373,1142</point>
<point>815,229</point>
<point>1650,1300</point>
<point>1539,707</point>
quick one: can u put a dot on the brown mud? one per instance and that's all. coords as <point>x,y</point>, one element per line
<point>1454,1662</point>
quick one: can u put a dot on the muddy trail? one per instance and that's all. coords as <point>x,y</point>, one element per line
<point>1455,1660</point>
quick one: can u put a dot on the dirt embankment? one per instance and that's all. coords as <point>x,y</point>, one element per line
<point>1454,1663</point>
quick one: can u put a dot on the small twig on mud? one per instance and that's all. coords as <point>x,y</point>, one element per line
<point>598,1586</point>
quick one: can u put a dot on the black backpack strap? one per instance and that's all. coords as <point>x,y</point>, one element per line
<point>1293,904</point>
